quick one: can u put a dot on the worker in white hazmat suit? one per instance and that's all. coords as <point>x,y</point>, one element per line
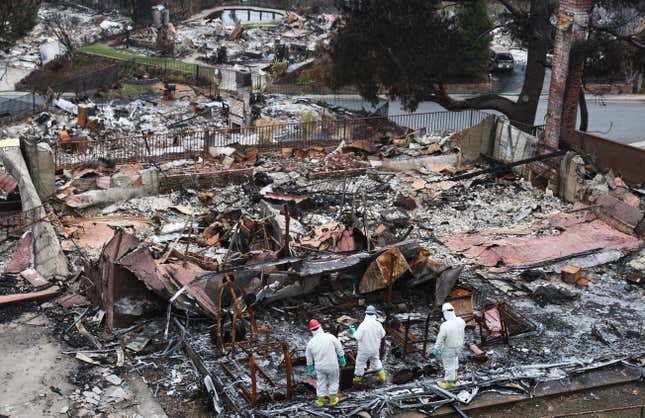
<point>323,353</point>
<point>449,343</point>
<point>368,336</point>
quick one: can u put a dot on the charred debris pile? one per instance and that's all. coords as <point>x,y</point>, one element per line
<point>208,290</point>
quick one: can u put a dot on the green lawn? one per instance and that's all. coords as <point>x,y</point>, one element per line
<point>106,51</point>
<point>259,25</point>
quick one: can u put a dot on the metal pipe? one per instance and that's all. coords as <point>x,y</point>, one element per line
<point>507,166</point>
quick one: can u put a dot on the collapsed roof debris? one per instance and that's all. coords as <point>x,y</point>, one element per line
<point>257,258</point>
<point>196,264</point>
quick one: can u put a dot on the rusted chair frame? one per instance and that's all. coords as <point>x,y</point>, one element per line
<point>502,320</point>
<point>237,313</point>
<point>409,341</point>
<point>251,394</point>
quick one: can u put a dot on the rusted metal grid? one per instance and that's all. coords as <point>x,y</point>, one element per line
<point>252,346</point>
<point>272,137</point>
<point>272,392</point>
<point>13,219</point>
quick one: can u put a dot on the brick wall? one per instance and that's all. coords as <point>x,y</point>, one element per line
<point>570,110</point>
<point>564,41</point>
<point>561,110</point>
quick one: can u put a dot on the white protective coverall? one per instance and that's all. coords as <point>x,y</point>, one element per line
<point>449,342</point>
<point>323,352</point>
<point>368,335</point>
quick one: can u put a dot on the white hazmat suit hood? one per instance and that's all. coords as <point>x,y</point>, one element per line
<point>449,342</point>
<point>368,335</point>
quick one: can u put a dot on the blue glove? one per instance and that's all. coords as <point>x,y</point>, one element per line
<point>310,370</point>
<point>352,329</point>
<point>343,362</point>
<point>436,352</point>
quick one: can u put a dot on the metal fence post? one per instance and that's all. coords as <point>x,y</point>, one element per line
<point>207,141</point>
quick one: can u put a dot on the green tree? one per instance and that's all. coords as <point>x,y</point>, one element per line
<point>405,46</point>
<point>17,18</point>
<point>474,27</point>
<point>410,48</point>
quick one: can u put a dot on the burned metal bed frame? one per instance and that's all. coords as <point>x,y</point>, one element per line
<point>252,346</point>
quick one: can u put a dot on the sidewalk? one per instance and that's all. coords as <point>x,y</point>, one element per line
<point>628,98</point>
<point>638,98</point>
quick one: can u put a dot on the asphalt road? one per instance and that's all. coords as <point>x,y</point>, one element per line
<point>620,121</point>
<point>614,118</point>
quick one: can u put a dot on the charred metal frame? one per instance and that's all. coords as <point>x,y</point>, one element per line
<point>251,394</point>
<point>483,326</point>
<point>237,314</point>
<point>407,339</point>
<point>250,346</point>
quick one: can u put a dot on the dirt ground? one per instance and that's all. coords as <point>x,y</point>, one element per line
<point>36,375</point>
<point>33,371</point>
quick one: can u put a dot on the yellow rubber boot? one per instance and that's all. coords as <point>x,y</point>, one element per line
<point>333,400</point>
<point>320,401</point>
<point>446,384</point>
<point>381,376</point>
<point>357,379</point>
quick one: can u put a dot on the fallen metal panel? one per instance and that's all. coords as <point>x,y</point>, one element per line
<point>115,284</point>
<point>34,278</point>
<point>119,245</point>
<point>142,265</point>
<point>608,154</point>
<point>182,277</point>
<point>23,256</point>
<point>525,251</point>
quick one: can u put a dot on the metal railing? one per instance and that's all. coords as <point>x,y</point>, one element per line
<point>142,148</point>
<point>274,136</point>
<point>81,83</point>
<point>19,220</point>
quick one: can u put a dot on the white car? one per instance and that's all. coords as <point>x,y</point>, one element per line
<point>501,60</point>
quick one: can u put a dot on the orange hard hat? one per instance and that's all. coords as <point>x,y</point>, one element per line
<point>313,324</point>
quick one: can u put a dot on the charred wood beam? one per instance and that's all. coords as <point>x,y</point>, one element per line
<point>500,167</point>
